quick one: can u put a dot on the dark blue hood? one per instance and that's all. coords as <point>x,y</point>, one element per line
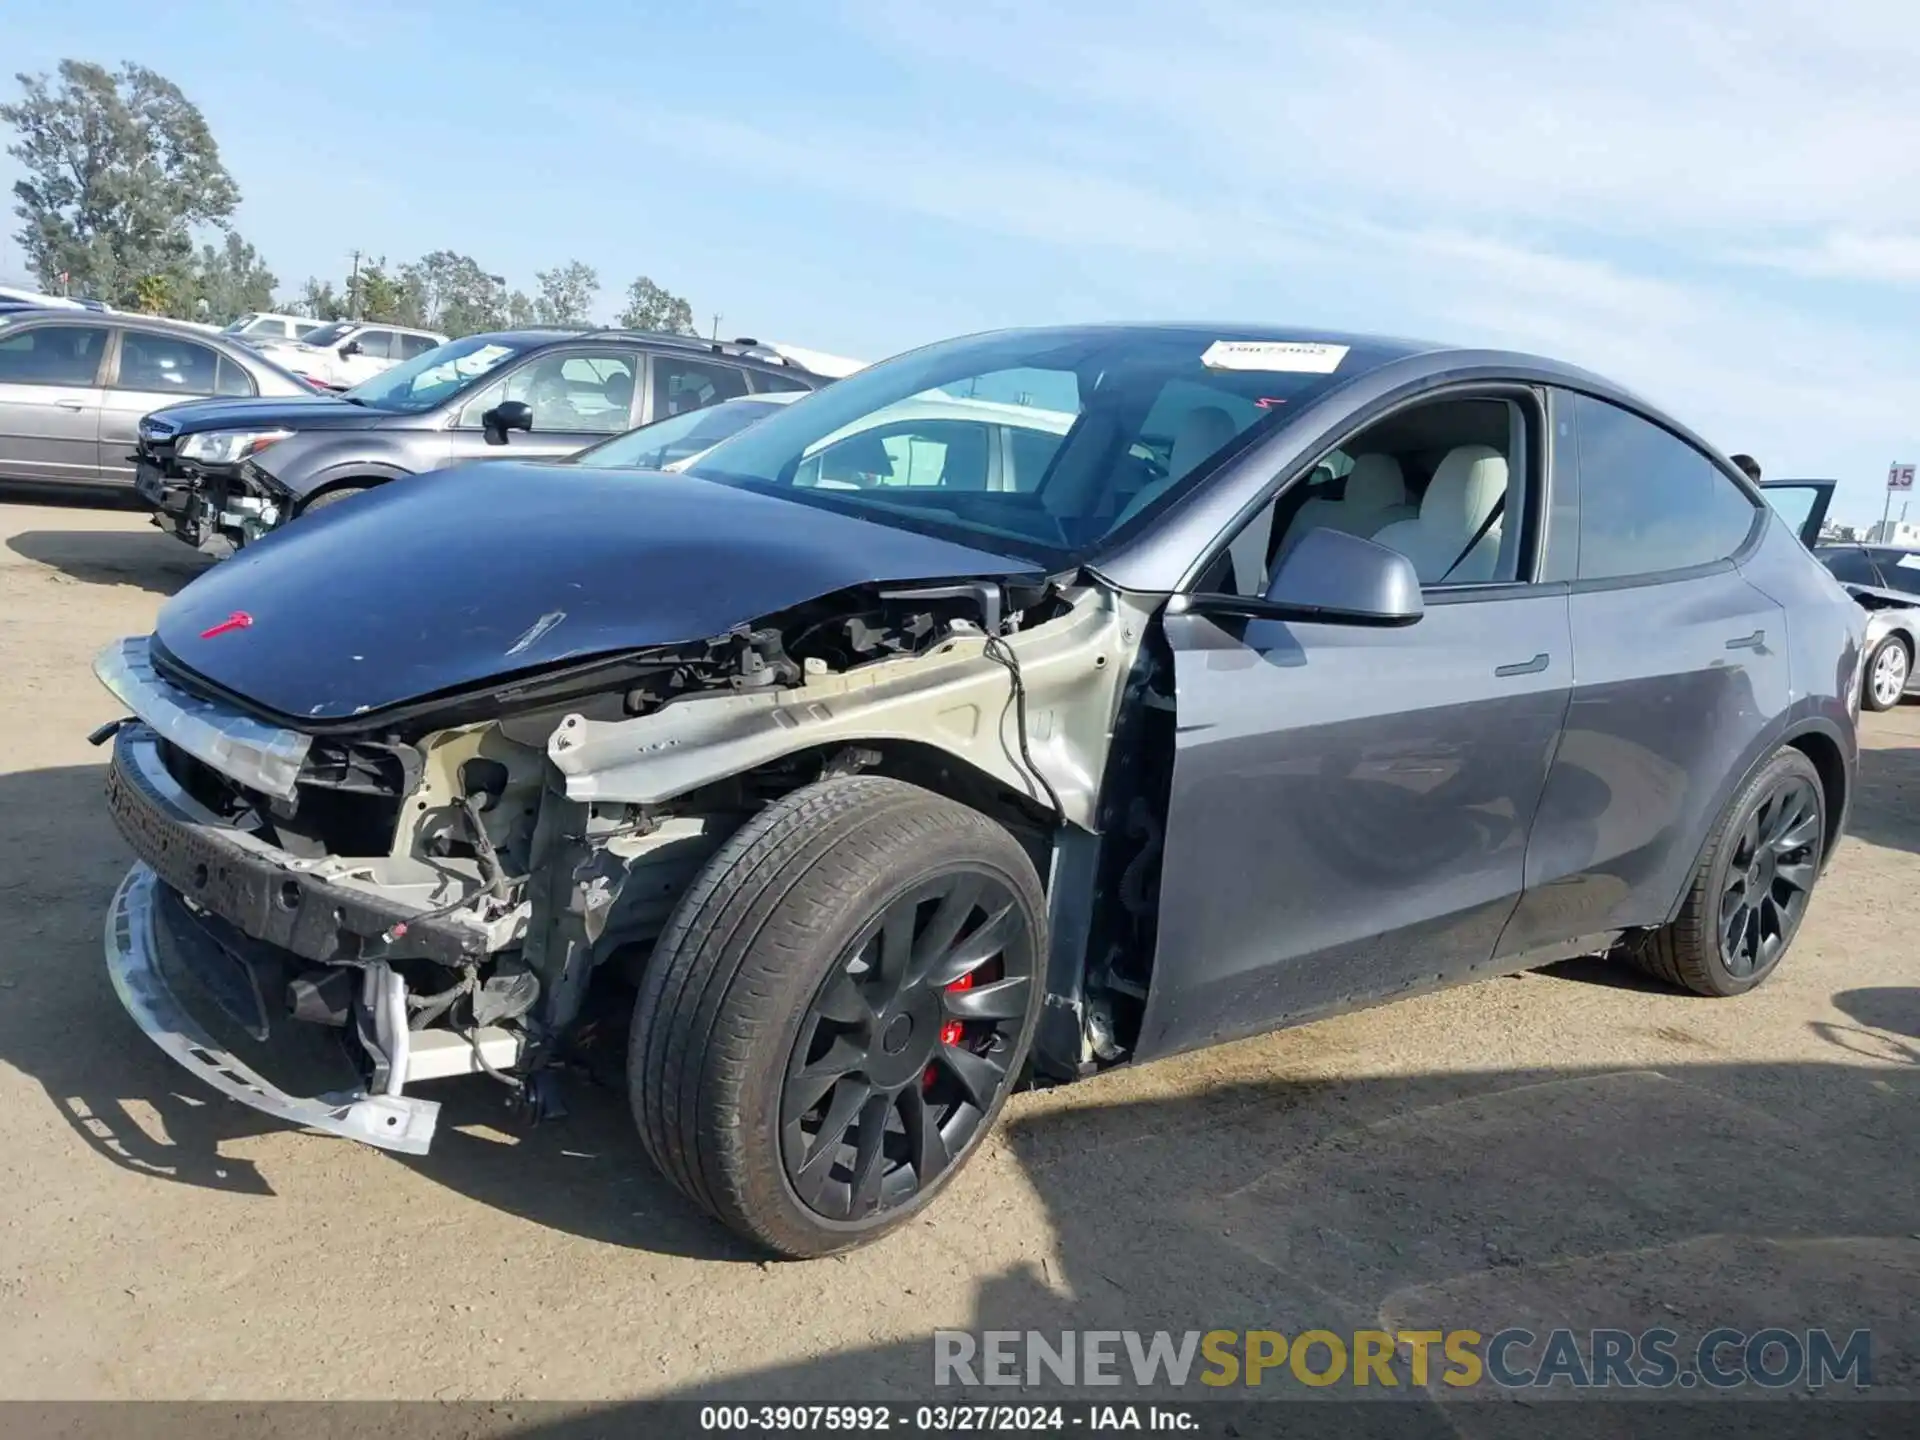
<point>447,580</point>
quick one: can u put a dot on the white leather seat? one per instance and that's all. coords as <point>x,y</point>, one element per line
<point>1375,496</point>
<point>1460,497</point>
<point>1203,430</point>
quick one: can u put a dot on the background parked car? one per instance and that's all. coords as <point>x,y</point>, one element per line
<point>1886,582</point>
<point>345,353</point>
<point>680,439</point>
<point>258,328</point>
<point>74,385</point>
<point>255,466</point>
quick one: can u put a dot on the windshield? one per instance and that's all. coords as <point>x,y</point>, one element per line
<point>240,325</point>
<point>328,335</point>
<point>441,373</point>
<point>1043,443</point>
<point>665,442</point>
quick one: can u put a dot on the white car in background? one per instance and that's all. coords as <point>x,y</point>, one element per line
<point>343,353</point>
<point>263,327</point>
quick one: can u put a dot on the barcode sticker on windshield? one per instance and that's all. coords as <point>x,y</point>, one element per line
<point>1297,357</point>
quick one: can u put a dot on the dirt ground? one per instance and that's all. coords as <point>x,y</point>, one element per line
<point>1565,1147</point>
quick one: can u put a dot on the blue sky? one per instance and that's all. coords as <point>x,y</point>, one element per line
<point>1717,204</point>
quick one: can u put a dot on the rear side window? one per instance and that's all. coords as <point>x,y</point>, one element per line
<point>683,385</point>
<point>166,365</point>
<point>52,355</point>
<point>414,345</point>
<point>376,343</point>
<point>1650,502</point>
<point>765,380</point>
<point>233,380</point>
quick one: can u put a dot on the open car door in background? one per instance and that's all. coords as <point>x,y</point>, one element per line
<point>1802,504</point>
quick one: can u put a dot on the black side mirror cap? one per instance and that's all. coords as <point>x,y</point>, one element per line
<point>350,349</point>
<point>507,415</point>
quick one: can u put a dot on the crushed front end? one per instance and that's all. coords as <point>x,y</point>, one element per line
<point>324,916</point>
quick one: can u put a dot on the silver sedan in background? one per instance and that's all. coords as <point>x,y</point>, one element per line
<point>75,383</point>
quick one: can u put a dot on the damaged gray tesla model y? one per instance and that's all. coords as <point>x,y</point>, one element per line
<point>1026,705</point>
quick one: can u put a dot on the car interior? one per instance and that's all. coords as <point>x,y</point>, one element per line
<point>1441,483</point>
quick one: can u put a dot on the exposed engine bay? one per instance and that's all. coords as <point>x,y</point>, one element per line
<point>441,885</point>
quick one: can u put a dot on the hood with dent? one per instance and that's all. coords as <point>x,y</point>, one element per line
<point>449,579</point>
<point>294,412</point>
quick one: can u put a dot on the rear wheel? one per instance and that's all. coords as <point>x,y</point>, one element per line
<point>1752,886</point>
<point>837,1012</point>
<point>1887,671</point>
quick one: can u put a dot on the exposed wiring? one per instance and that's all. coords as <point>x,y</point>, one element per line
<point>999,651</point>
<point>489,858</point>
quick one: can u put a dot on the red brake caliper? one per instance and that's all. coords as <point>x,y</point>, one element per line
<point>951,1031</point>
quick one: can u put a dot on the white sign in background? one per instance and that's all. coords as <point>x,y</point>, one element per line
<point>1900,477</point>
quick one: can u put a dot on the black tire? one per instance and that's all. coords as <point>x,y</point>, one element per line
<point>1884,680</point>
<point>1697,952</point>
<point>742,980</point>
<point>332,497</point>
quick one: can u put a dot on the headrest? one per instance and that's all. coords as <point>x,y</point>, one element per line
<point>1466,487</point>
<point>1375,483</point>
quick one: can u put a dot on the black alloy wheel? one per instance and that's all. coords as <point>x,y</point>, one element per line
<point>907,1047</point>
<point>1750,887</point>
<point>1769,877</point>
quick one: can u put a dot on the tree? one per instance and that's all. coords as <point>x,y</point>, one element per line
<point>120,166</point>
<point>231,279</point>
<point>522,312</point>
<point>318,300</point>
<point>651,308</point>
<point>566,294</point>
<point>372,294</point>
<point>453,294</point>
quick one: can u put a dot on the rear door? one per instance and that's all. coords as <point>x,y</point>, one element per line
<point>151,369</point>
<point>50,402</point>
<point>678,384</point>
<point>1680,670</point>
<point>1802,504</point>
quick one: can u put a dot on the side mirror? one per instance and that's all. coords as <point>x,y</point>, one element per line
<point>350,349</point>
<point>507,415</point>
<point>1330,578</point>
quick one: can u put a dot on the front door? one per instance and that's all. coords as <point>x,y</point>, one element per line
<point>50,403</point>
<point>1349,809</point>
<point>579,397</point>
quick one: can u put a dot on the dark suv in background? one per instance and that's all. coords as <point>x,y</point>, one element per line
<point>240,469</point>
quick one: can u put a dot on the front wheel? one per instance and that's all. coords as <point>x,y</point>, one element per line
<point>837,1011</point>
<point>332,497</point>
<point>1887,671</point>
<point>1751,888</point>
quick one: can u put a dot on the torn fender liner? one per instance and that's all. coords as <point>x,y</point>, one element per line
<point>452,579</point>
<point>392,1122</point>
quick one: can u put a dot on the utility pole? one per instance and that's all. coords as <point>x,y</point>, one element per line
<point>353,286</point>
<point>716,330</point>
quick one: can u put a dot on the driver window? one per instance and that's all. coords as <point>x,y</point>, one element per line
<point>1443,483</point>
<point>567,392</point>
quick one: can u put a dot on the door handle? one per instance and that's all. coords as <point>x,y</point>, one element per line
<point>1525,667</point>
<point>71,404</point>
<point>1756,641</point>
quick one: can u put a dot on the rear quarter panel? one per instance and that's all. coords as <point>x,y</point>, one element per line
<point>1826,634</point>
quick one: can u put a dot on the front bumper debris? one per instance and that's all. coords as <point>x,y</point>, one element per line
<point>388,1119</point>
<point>262,891</point>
